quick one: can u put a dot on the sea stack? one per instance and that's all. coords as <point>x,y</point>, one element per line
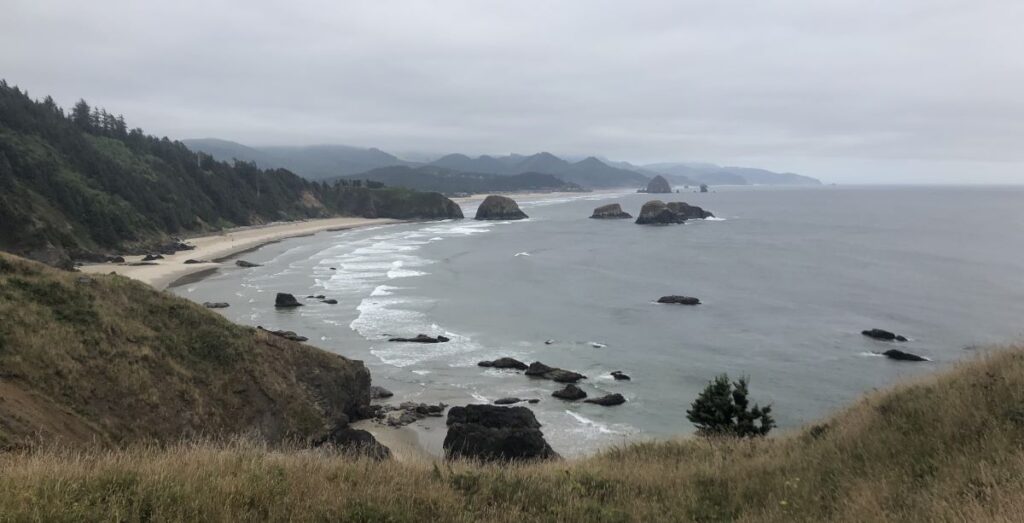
<point>496,207</point>
<point>689,212</point>
<point>610,212</point>
<point>659,185</point>
<point>655,212</point>
<point>703,187</point>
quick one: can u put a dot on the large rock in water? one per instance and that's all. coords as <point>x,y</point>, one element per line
<point>659,185</point>
<point>689,212</point>
<point>903,356</point>
<point>285,300</point>
<point>504,363</point>
<point>884,335</point>
<point>496,207</point>
<point>610,211</point>
<point>493,433</point>
<point>540,370</point>
<point>679,300</point>
<point>656,212</point>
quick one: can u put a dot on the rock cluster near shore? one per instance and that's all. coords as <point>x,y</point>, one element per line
<point>540,370</point>
<point>496,207</point>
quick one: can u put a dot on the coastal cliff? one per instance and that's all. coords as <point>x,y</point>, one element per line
<point>107,360</point>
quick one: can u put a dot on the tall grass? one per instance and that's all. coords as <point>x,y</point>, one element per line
<point>946,448</point>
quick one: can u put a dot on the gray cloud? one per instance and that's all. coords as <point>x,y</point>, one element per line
<point>849,90</point>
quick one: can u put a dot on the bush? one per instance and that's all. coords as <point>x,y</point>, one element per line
<point>722,410</point>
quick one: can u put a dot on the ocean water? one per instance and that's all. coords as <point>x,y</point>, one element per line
<point>788,278</point>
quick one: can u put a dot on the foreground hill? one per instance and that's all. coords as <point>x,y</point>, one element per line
<point>115,360</point>
<point>78,185</point>
<point>450,181</point>
<point>104,360</point>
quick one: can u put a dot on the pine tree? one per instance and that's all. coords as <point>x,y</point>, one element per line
<point>721,409</point>
<point>81,115</point>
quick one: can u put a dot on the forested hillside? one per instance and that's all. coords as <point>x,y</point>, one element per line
<point>450,181</point>
<point>80,183</point>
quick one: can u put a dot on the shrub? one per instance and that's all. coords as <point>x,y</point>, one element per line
<point>721,409</point>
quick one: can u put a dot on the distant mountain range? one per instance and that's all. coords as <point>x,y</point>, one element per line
<point>451,181</point>
<point>463,173</point>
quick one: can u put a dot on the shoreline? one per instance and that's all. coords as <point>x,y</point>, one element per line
<point>217,248</point>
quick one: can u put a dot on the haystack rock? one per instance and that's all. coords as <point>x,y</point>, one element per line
<point>703,187</point>
<point>659,185</point>
<point>656,212</point>
<point>496,207</point>
<point>492,433</point>
<point>610,211</point>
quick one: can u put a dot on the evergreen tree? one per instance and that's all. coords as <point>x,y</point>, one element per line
<point>81,115</point>
<point>722,409</point>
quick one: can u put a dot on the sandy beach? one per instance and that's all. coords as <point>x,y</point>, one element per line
<point>217,247</point>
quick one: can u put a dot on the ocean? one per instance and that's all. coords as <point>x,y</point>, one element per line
<point>788,278</point>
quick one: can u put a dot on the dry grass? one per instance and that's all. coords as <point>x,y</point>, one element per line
<point>947,448</point>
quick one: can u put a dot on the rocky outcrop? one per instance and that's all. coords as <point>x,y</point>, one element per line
<point>377,392</point>
<point>216,304</point>
<point>679,300</point>
<point>405,413</point>
<point>493,433</point>
<point>496,207</point>
<point>355,441</point>
<point>284,300</point>
<point>703,187</point>
<point>608,400</point>
<point>611,211</point>
<point>540,370</point>
<point>570,392</point>
<point>656,212</point>
<point>246,265</point>
<point>883,335</point>
<point>620,376</point>
<point>903,356</point>
<point>422,338</point>
<point>659,185</point>
<point>504,363</point>
<point>689,212</point>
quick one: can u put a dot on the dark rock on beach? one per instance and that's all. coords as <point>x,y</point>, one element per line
<point>620,376</point>
<point>659,185</point>
<point>496,207</point>
<point>609,400</point>
<point>190,261</point>
<point>422,338</point>
<point>610,211</point>
<point>216,304</point>
<point>679,300</point>
<point>883,335</point>
<point>377,392</point>
<point>504,363</point>
<point>656,212</point>
<point>493,433</point>
<point>152,257</point>
<point>285,300</point>
<point>540,370</point>
<point>244,264</point>
<point>903,356</point>
<point>570,392</point>
<point>114,259</point>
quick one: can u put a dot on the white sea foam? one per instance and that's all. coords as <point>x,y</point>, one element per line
<point>522,254</point>
<point>600,427</point>
<point>714,219</point>
<point>479,397</point>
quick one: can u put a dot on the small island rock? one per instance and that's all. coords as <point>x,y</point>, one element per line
<point>422,338</point>
<point>540,370</point>
<point>245,264</point>
<point>903,356</point>
<point>610,211</point>
<point>504,363</point>
<point>609,400</point>
<point>656,212</point>
<point>679,300</point>
<point>570,392</point>
<point>884,335</point>
<point>496,207</point>
<point>659,185</point>
<point>620,376</point>
<point>285,300</point>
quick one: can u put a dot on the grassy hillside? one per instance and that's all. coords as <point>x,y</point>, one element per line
<point>107,360</point>
<point>73,185</point>
<point>947,448</point>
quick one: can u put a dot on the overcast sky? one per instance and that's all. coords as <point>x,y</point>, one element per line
<point>848,91</point>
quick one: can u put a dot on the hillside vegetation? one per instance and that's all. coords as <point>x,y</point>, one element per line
<point>78,184</point>
<point>112,359</point>
<point>450,181</point>
<point>107,361</point>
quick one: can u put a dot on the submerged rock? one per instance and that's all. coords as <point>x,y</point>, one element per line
<point>422,338</point>
<point>609,400</point>
<point>610,211</point>
<point>330,301</point>
<point>507,401</point>
<point>285,300</point>
<point>659,185</point>
<point>216,304</point>
<point>656,212</point>
<point>504,363</point>
<point>570,392</point>
<point>620,376</point>
<point>190,261</point>
<point>903,356</point>
<point>540,370</point>
<point>496,207</point>
<point>493,433</point>
<point>244,264</point>
<point>679,300</point>
<point>884,335</point>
